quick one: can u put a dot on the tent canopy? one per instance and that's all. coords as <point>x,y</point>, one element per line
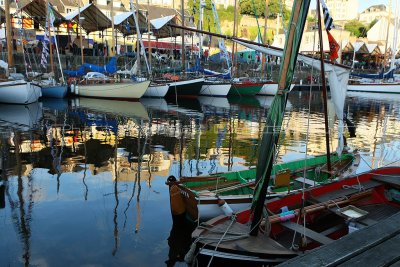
<point>36,9</point>
<point>161,27</point>
<point>373,49</point>
<point>125,23</point>
<point>92,19</point>
<point>358,47</point>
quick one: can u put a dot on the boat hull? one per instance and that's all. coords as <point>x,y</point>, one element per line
<point>203,204</point>
<point>270,89</point>
<point>245,89</point>
<point>119,91</point>
<point>156,90</point>
<point>393,88</point>
<point>57,91</point>
<point>187,89</point>
<point>19,92</point>
<point>215,89</point>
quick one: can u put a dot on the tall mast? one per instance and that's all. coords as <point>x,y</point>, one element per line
<point>113,46</point>
<point>387,34</point>
<point>264,57</point>
<point>148,32</point>
<point>183,35</point>
<point>234,35</point>
<point>80,30</point>
<point>202,4</point>
<point>50,41</point>
<point>275,115</point>
<point>9,37</point>
<point>324,93</point>
<point>138,37</point>
<point>395,37</point>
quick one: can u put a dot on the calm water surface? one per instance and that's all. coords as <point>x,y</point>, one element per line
<point>83,180</point>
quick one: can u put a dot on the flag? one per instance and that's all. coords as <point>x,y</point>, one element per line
<point>51,15</point>
<point>333,47</point>
<point>327,17</point>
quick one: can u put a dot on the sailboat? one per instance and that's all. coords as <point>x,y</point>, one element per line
<point>96,84</point>
<point>50,88</point>
<point>235,239</point>
<point>14,89</point>
<point>382,82</point>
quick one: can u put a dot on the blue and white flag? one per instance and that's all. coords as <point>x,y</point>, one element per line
<point>327,17</point>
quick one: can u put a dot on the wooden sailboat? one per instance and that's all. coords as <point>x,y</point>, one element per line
<point>236,188</point>
<point>98,85</point>
<point>14,89</point>
<point>372,84</point>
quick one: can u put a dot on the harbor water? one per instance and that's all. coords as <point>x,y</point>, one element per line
<point>82,180</point>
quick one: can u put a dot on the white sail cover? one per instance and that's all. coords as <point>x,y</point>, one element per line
<point>338,78</point>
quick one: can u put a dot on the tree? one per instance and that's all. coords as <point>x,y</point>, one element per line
<point>257,8</point>
<point>356,28</point>
<point>372,23</point>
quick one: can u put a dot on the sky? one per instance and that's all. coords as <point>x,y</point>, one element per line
<point>363,4</point>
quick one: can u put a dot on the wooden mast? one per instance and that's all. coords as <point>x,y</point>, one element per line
<point>8,32</point>
<point>113,45</point>
<point>324,91</point>
<point>183,35</point>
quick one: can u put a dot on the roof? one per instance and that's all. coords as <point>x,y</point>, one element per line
<point>125,23</point>
<point>358,47</point>
<point>161,26</point>
<point>36,9</point>
<point>93,18</point>
<point>373,49</point>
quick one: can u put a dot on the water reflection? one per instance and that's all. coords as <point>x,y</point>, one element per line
<point>85,177</point>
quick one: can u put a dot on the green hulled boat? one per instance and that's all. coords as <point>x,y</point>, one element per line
<point>245,87</point>
<point>199,196</point>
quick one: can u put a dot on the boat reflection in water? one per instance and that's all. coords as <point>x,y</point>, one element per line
<point>83,180</point>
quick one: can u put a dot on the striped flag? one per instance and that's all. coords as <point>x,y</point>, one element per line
<point>327,17</point>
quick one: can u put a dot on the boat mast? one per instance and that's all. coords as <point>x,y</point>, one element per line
<point>264,59</point>
<point>148,32</point>
<point>276,112</point>
<point>387,34</point>
<point>183,35</point>
<point>202,4</point>
<point>80,30</point>
<point>324,92</point>
<point>50,41</point>
<point>55,42</point>
<point>8,32</point>
<point>113,45</point>
<point>233,43</point>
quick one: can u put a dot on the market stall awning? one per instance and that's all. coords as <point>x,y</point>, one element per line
<point>373,49</point>
<point>358,47</point>
<point>125,23</point>
<point>36,9</point>
<point>161,27</point>
<point>92,18</point>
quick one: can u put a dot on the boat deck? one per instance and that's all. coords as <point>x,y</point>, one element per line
<point>375,245</point>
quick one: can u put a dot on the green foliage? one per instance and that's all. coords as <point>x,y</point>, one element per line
<point>208,18</point>
<point>356,28</point>
<point>372,23</point>
<point>257,8</point>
